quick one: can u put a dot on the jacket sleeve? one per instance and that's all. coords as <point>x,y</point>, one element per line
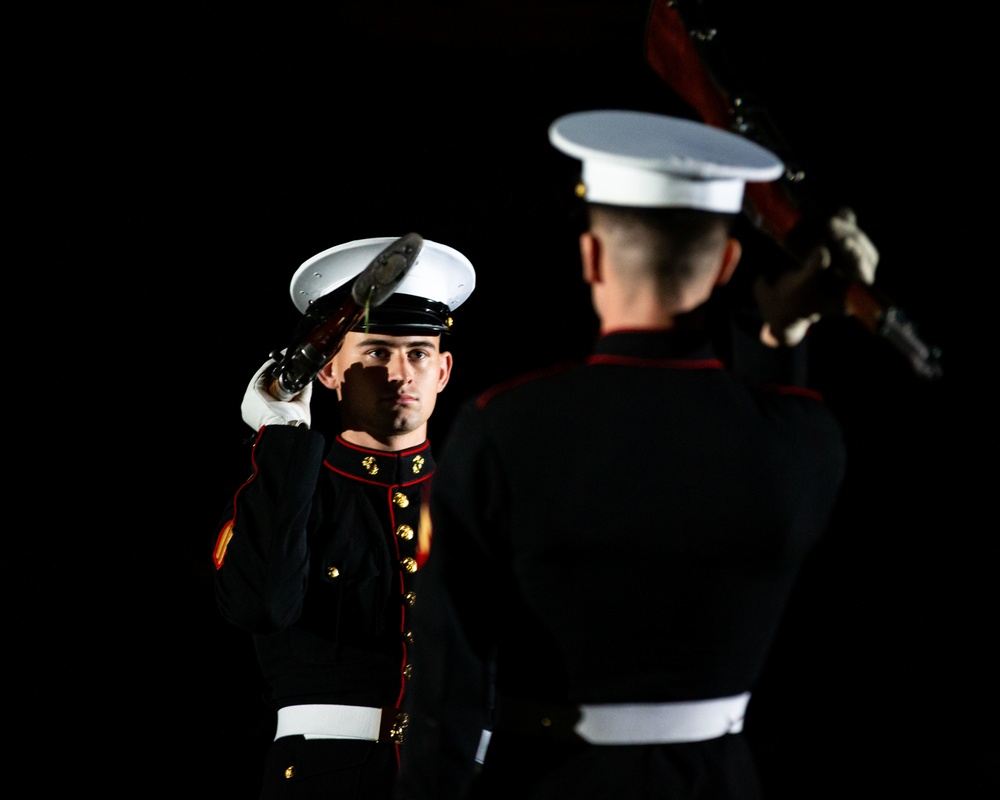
<point>261,555</point>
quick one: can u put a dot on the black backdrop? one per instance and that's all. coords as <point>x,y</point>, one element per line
<point>183,165</point>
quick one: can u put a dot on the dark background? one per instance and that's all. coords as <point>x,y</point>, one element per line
<point>182,165</point>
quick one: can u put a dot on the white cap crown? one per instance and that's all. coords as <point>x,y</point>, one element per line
<point>646,160</point>
<point>440,273</point>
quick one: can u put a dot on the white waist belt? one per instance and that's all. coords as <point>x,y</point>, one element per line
<point>662,723</point>
<point>329,721</point>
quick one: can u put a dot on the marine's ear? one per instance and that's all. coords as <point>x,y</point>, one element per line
<point>444,369</point>
<point>590,257</point>
<point>328,376</point>
<point>730,258</point>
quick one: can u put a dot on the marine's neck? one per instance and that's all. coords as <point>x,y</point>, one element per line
<point>389,443</point>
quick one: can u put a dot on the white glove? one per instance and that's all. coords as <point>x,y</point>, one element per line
<point>856,251</point>
<point>260,407</point>
<point>800,297</point>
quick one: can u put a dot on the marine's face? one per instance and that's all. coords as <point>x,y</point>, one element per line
<point>388,385</point>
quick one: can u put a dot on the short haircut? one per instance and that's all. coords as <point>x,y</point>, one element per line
<point>669,242</point>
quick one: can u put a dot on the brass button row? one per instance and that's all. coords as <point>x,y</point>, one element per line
<point>408,564</point>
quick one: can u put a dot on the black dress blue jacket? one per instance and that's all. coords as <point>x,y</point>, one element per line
<point>619,530</point>
<point>318,560</point>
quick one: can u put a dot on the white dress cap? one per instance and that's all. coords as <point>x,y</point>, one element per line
<point>641,159</point>
<point>440,273</point>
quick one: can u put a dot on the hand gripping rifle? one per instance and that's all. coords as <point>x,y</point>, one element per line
<point>676,48</point>
<point>328,319</point>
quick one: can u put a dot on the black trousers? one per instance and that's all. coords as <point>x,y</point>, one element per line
<point>297,768</point>
<point>532,768</point>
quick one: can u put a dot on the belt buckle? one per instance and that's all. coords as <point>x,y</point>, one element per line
<point>396,729</point>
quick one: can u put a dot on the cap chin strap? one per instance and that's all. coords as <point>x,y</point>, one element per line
<point>403,329</point>
<point>407,313</point>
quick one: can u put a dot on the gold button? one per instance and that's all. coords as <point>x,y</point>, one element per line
<point>289,772</point>
<point>332,572</point>
<point>409,564</point>
<point>401,500</point>
<point>409,599</point>
<point>408,637</point>
<point>546,722</point>
<point>397,732</point>
<point>370,465</point>
<point>404,532</point>
<point>408,671</point>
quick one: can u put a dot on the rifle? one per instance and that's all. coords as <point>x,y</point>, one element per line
<point>321,331</point>
<point>677,48</point>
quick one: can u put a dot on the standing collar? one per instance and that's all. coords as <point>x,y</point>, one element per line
<point>660,344</point>
<point>386,468</point>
